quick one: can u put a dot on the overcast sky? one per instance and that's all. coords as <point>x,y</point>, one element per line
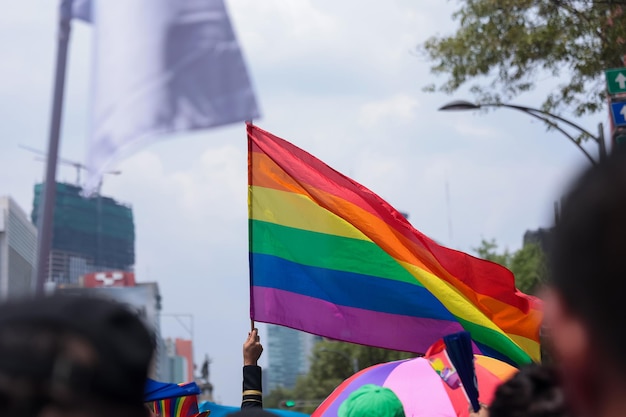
<point>337,78</point>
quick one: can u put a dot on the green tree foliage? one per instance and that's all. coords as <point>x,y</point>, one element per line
<point>503,46</point>
<point>529,267</point>
<point>273,399</point>
<point>331,363</point>
<point>528,264</point>
<point>488,250</point>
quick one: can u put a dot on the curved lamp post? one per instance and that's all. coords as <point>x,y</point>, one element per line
<point>546,117</point>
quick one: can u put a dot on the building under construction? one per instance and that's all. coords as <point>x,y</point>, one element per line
<point>90,234</point>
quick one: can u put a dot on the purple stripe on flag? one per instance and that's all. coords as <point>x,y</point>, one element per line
<point>348,323</point>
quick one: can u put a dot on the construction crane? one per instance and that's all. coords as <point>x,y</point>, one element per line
<point>79,167</point>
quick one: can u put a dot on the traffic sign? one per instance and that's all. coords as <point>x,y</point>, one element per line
<point>618,110</point>
<point>616,80</point>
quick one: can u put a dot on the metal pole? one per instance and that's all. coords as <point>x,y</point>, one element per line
<point>557,212</point>
<point>554,116</point>
<point>547,117</point>
<point>46,210</point>
<point>601,142</point>
<point>554,125</point>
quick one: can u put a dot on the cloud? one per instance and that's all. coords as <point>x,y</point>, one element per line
<point>476,131</point>
<point>400,107</point>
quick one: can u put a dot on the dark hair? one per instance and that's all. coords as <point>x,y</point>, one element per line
<point>588,257</point>
<point>252,412</point>
<point>72,353</point>
<point>532,392</point>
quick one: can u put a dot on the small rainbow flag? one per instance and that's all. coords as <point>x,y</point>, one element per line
<point>186,406</point>
<point>330,257</point>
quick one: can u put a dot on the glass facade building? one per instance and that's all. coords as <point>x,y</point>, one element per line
<point>89,234</point>
<point>18,250</point>
<point>288,354</point>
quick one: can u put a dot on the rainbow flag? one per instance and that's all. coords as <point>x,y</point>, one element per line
<point>330,257</point>
<point>186,406</point>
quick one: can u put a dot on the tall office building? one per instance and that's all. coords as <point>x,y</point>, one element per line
<point>18,249</point>
<point>180,365</point>
<point>541,237</point>
<point>90,234</point>
<point>288,353</point>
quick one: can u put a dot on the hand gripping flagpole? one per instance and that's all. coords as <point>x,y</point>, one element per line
<point>46,210</point>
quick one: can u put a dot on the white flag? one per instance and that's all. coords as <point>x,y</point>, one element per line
<point>81,9</point>
<point>160,66</point>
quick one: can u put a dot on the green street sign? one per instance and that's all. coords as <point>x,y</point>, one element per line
<point>616,80</point>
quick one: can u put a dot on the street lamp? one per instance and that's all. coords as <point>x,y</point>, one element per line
<point>353,360</point>
<point>546,117</point>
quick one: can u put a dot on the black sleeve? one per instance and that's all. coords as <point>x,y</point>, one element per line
<point>252,390</point>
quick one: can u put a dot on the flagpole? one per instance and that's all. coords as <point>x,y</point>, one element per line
<point>249,123</point>
<point>46,210</point>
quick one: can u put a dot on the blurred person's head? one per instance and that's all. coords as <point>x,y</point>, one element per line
<point>585,305</point>
<point>70,356</point>
<point>252,412</point>
<point>534,391</point>
<point>371,401</point>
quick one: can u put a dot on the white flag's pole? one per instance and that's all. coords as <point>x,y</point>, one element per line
<point>46,210</point>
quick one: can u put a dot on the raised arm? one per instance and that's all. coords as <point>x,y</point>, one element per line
<point>252,387</point>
